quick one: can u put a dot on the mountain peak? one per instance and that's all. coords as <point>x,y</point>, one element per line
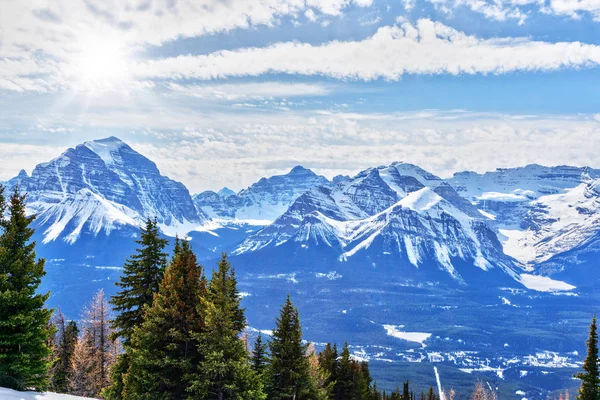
<point>299,169</point>
<point>225,192</point>
<point>109,140</point>
<point>105,148</point>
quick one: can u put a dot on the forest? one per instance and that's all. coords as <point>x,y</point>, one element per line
<point>174,332</point>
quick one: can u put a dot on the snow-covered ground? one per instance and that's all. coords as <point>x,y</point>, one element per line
<point>544,284</point>
<point>417,337</point>
<point>9,394</point>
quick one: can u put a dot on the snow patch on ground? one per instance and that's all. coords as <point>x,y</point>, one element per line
<point>417,337</point>
<point>544,284</point>
<point>487,215</point>
<point>8,394</point>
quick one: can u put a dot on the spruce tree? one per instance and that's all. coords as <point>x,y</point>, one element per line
<point>164,348</point>
<point>65,339</point>
<point>259,357</point>
<point>328,360</point>
<point>289,375</point>
<point>225,372</point>
<point>590,377</point>
<point>140,279</point>
<point>25,329</point>
<point>345,385</point>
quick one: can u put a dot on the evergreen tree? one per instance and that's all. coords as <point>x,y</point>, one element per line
<point>259,359</point>
<point>328,360</point>
<point>289,376</point>
<point>318,375</point>
<point>164,349</point>
<point>590,377</point>
<point>64,342</point>
<point>225,372</point>
<point>25,329</point>
<point>140,279</point>
<point>345,385</point>
<point>431,394</point>
<point>142,274</point>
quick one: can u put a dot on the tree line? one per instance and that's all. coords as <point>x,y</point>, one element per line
<point>170,332</point>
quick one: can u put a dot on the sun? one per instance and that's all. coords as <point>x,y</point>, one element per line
<point>100,63</point>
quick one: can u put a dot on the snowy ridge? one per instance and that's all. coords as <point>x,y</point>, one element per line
<point>539,212</point>
<point>266,199</point>
<point>563,221</point>
<point>400,211</point>
<point>103,186</point>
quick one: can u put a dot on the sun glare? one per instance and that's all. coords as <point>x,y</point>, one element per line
<point>101,63</point>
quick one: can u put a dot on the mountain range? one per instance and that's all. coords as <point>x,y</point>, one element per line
<point>404,264</point>
<point>514,221</point>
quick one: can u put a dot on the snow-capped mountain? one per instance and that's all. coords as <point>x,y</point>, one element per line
<point>539,212</point>
<point>266,199</point>
<point>102,186</point>
<point>397,214</point>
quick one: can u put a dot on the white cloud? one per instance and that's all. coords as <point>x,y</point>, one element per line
<point>210,150</point>
<point>426,47</point>
<point>502,10</point>
<point>250,90</point>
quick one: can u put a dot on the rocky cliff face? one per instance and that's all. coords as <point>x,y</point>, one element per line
<point>266,199</point>
<point>104,185</point>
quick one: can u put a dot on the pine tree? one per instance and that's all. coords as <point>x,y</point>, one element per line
<point>225,372</point>
<point>431,394</point>
<point>590,377</point>
<point>345,386</point>
<point>328,360</point>
<point>318,375</point>
<point>142,274</point>
<point>96,351</point>
<point>64,342</point>
<point>259,359</point>
<point>164,349</point>
<point>141,277</point>
<point>289,375</point>
<point>25,329</point>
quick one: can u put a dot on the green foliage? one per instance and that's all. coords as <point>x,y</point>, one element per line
<point>142,274</point>
<point>289,374</point>
<point>590,377</point>
<point>225,372</point>
<point>25,329</point>
<point>64,342</point>
<point>164,349</point>
<point>141,277</point>
<point>259,359</point>
<point>117,377</point>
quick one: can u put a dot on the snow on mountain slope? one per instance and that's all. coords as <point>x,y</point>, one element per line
<point>400,211</point>
<point>560,222</point>
<point>266,199</point>
<point>522,183</point>
<point>104,185</point>
<point>539,211</point>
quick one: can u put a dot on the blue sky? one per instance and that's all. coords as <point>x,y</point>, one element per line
<point>224,92</point>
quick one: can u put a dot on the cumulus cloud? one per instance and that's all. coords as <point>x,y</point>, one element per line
<point>426,47</point>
